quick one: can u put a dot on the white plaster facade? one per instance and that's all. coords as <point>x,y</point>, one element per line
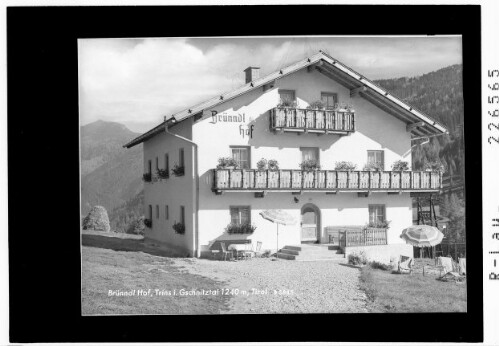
<point>205,140</point>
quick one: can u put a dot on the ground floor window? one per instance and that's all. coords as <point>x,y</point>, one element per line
<point>377,213</point>
<point>240,215</point>
<point>166,212</point>
<point>157,211</point>
<point>182,215</point>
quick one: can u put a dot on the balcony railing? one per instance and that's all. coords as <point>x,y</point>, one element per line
<point>363,237</point>
<point>309,120</point>
<point>325,180</point>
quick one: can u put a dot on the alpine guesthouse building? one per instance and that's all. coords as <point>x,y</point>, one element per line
<point>206,182</point>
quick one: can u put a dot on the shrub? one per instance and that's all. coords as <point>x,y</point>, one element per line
<point>435,166</point>
<point>245,228</point>
<point>310,165</point>
<point>97,219</point>
<point>273,165</point>
<point>378,224</point>
<point>266,253</point>
<point>262,164</point>
<point>147,177</point>
<point>372,166</point>
<point>226,162</point>
<point>316,105</point>
<point>178,170</point>
<point>379,265</point>
<point>136,226</point>
<point>357,258</point>
<point>345,166</point>
<point>343,105</point>
<point>148,223</point>
<point>162,173</point>
<point>287,104</point>
<point>400,166</point>
<point>179,228</point>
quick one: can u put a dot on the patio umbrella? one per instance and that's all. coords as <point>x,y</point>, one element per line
<point>422,236</point>
<point>278,216</point>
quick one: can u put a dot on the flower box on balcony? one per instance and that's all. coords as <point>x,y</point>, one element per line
<point>179,228</point>
<point>244,228</point>
<point>162,174</point>
<point>178,171</point>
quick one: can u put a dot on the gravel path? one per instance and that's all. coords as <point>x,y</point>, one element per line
<point>284,286</point>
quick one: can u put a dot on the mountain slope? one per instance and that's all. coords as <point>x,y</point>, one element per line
<point>439,94</point>
<point>110,174</point>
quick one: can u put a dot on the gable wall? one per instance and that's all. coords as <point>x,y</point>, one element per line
<point>174,191</point>
<point>375,130</point>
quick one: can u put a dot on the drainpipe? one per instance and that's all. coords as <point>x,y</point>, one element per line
<point>196,199</point>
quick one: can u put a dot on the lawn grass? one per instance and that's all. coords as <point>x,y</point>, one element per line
<point>104,269</point>
<point>389,292</point>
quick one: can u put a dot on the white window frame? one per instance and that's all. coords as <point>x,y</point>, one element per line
<point>382,157</point>
<point>241,147</point>
<point>239,209</point>
<point>376,208</point>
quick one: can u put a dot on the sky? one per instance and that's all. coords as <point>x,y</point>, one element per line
<point>138,81</point>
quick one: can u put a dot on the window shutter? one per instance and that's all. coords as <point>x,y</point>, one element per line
<point>234,215</point>
<point>245,215</point>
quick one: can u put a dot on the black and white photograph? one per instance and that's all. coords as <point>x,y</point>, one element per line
<point>272,175</point>
<point>267,173</point>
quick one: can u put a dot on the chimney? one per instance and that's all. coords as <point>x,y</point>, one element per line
<point>252,73</point>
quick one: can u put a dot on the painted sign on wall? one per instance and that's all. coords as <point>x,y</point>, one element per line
<point>245,130</point>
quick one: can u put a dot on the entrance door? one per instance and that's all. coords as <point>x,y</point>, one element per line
<point>310,223</point>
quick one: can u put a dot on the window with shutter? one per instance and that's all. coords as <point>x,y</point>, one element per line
<point>287,96</point>
<point>377,157</point>
<point>242,156</point>
<point>310,154</point>
<point>376,213</point>
<point>240,215</point>
<point>329,99</point>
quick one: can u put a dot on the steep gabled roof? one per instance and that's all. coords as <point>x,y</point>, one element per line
<point>419,123</point>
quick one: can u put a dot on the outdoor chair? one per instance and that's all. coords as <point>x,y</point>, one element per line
<point>248,252</point>
<point>258,251</point>
<point>405,264</point>
<point>451,270</point>
<point>445,265</point>
<point>462,266</point>
<point>225,253</point>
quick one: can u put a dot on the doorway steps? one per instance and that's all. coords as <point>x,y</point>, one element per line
<point>311,252</point>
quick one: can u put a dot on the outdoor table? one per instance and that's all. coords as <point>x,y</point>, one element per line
<point>238,248</point>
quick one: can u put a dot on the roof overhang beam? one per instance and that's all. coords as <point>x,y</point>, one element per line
<point>335,76</point>
<point>412,126</point>
<point>356,91</point>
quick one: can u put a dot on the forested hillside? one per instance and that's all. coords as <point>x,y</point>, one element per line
<point>440,95</point>
<point>110,174</point>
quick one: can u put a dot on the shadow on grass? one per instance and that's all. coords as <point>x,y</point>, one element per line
<point>349,265</point>
<point>133,245</point>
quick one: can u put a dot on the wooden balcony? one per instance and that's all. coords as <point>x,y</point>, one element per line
<point>363,237</point>
<point>328,181</point>
<point>298,120</point>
